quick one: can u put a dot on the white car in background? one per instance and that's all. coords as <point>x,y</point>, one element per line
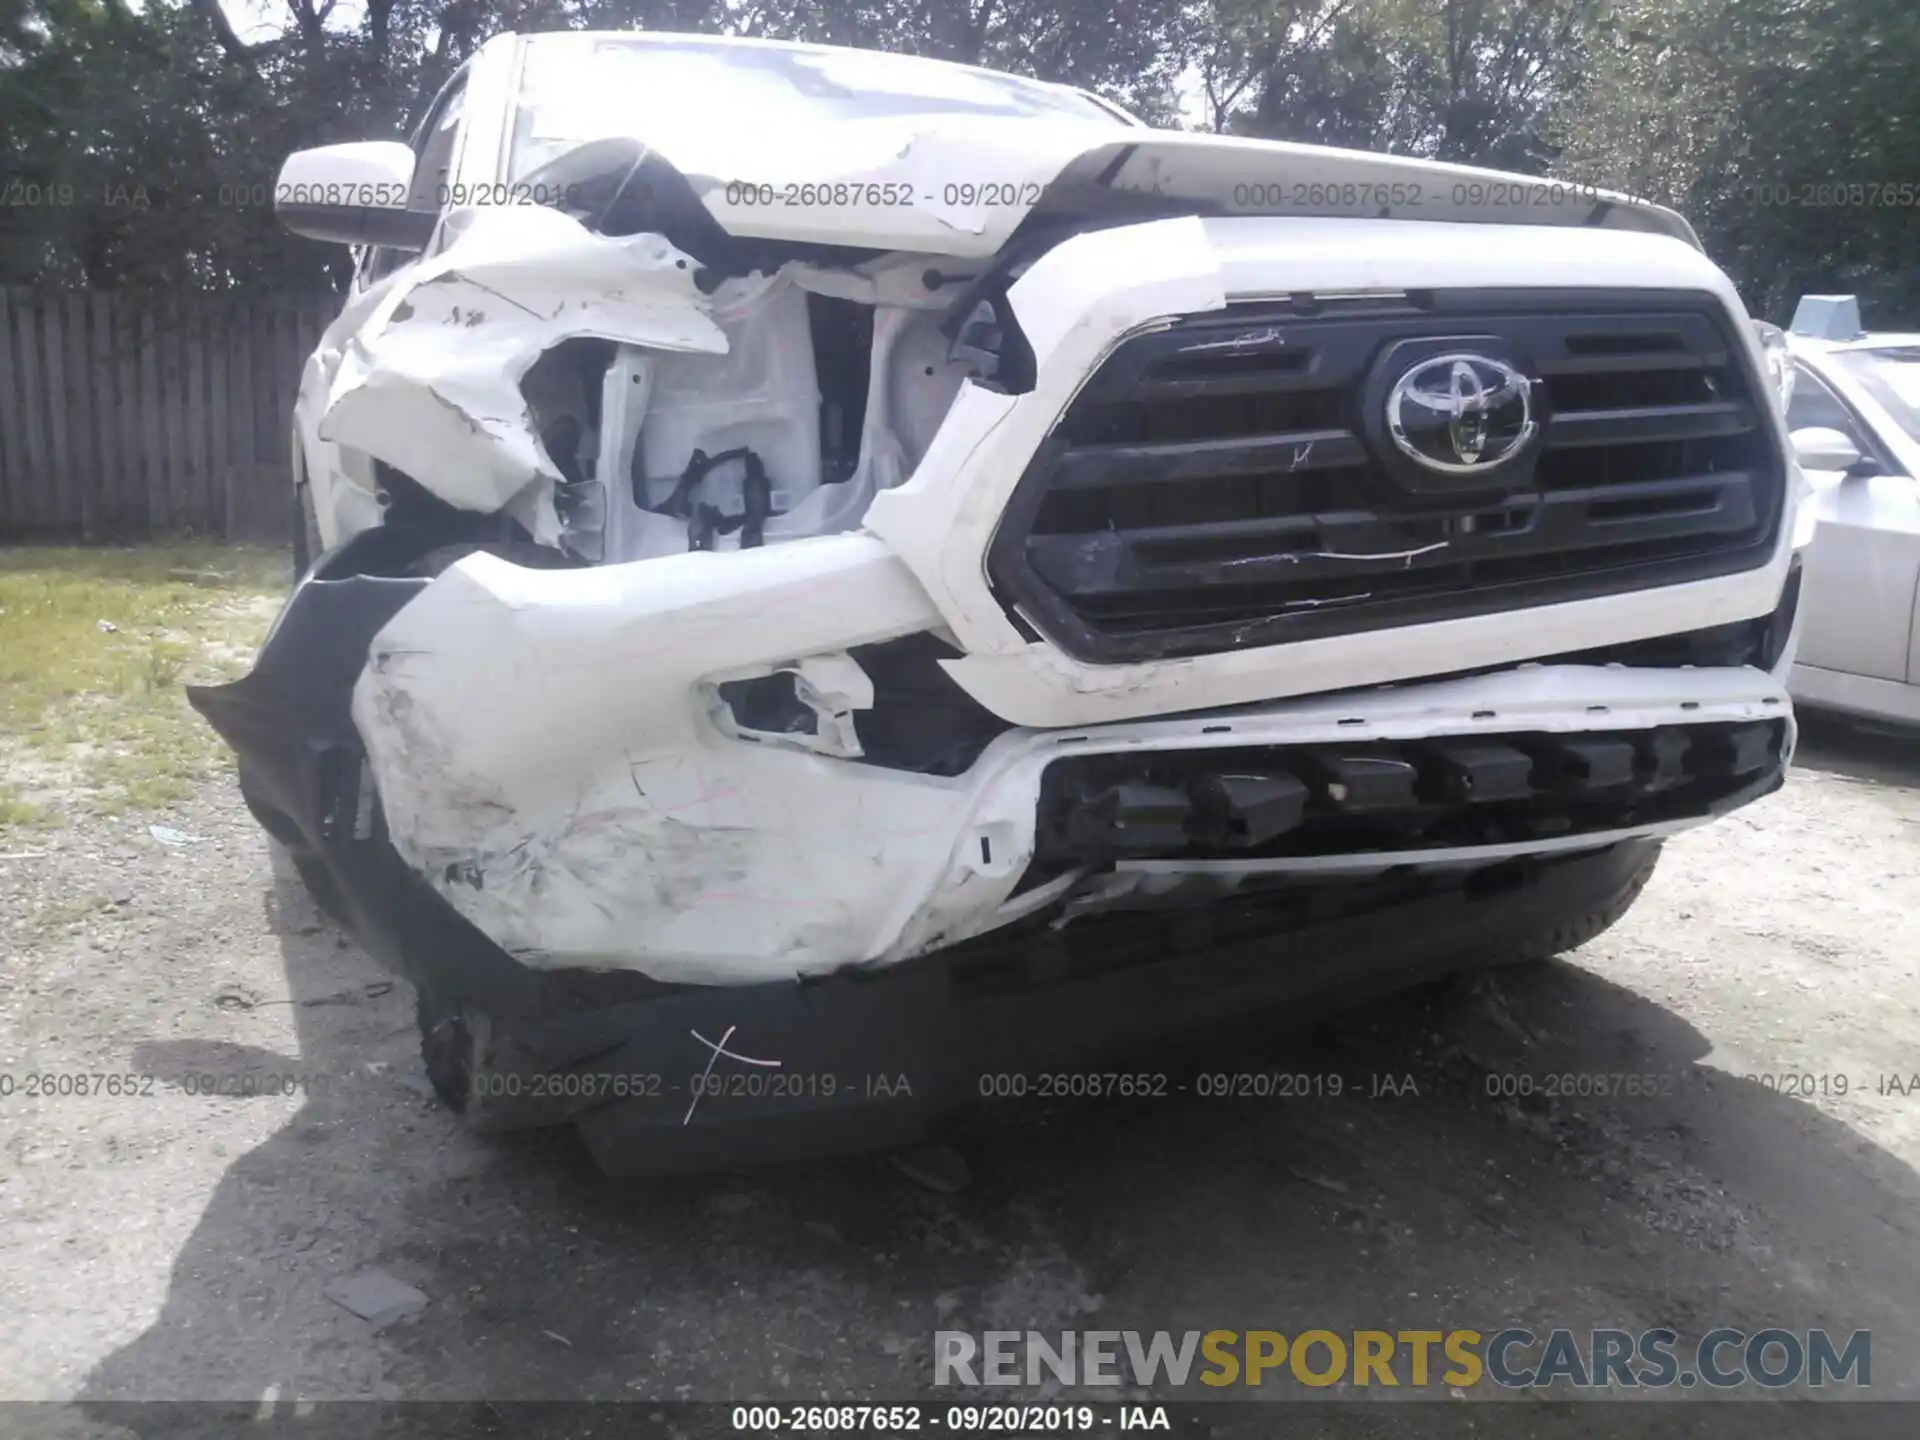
<point>1855,422</point>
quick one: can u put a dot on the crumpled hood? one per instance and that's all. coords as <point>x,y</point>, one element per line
<point>960,185</point>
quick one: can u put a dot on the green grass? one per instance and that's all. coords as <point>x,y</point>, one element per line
<point>18,814</point>
<point>96,718</point>
<point>70,912</point>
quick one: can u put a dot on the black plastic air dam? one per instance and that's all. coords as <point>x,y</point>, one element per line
<point>301,765</point>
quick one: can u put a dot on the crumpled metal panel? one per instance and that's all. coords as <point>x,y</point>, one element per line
<point>429,382</point>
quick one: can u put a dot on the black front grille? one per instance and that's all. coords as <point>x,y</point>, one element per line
<point>1225,481</point>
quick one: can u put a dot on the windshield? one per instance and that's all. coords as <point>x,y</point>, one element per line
<point>687,91</point>
<point>1891,377</point>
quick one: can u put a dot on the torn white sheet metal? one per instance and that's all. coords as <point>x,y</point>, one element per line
<point>548,759</point>
<point>427,376</point>
<point>429,381</point>
<point>911,384</point>
<point>883,460</point>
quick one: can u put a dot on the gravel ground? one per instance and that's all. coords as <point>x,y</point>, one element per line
<point>171,1244</point>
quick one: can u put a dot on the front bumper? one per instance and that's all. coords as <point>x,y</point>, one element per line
<point>511,771</point>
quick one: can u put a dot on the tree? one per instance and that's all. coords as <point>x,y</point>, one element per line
<point>148,140</point>
<point>139,145</point>
<point>1128,50</point>
<point>1468,80</point>
<point>1245,47</point>
<point>1785,129</point>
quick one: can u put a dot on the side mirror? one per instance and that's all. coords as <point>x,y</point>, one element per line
<point>1818,448</point>
<point>353,194</point>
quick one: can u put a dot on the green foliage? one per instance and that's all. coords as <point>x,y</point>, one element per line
<point>1784,129</point>
<point>1473,81</point>
<point>95,647</point>
<point>1129,50</point>
<point>144,140</point>
<point>1798,199</point>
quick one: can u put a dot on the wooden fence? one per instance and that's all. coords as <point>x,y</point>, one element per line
<point>124,416</point>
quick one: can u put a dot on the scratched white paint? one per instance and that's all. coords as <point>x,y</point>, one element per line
<point>549,763</point>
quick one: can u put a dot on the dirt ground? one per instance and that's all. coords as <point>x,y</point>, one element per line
<point>172,1244</point>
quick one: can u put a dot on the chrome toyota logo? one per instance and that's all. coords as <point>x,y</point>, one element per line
<point>1461,413</point>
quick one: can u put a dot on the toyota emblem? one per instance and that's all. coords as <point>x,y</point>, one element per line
<point>1461,413</point>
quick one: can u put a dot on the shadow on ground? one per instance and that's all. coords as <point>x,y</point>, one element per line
<point>1859,751</point>
<point>1429,1194</point>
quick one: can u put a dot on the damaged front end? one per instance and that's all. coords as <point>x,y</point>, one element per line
<point>603,393</point>
<point>842,873</point>
<point>659,868</point>
<point>892,645</point>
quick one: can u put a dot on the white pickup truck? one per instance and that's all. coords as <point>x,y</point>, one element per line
<point>827,576</point>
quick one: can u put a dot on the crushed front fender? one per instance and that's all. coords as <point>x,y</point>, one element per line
<point>558,759</point>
